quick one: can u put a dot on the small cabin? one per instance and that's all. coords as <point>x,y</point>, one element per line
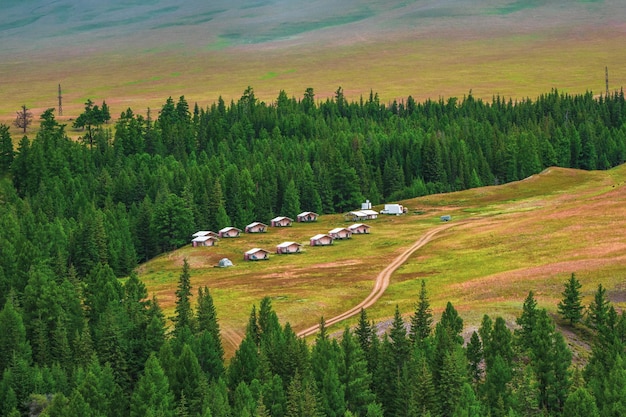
<point>307,216</point>
<point>205,233</point>
<point>206,240</point>
<point>288,247</point>
<point>340,233</point>
<point>359,229</point>
<point>321,240</point>
<point>281,221</point>
<point>256,254</point>
<point>361,215</point>
<point>370,214</point>
<point>256,227</point>
<point>446,218</point>
<point>229,232</point>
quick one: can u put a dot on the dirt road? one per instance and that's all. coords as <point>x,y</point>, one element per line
<point>381,283</point>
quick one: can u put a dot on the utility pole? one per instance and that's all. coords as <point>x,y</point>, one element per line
<point>60,104</point>
<point>606,78</point>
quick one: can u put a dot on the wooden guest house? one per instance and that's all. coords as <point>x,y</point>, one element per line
<point>281,221</point>
<point>321,239</point>
<point>307,216</point>
<point>256,227</point>
<point>229,232</point>
<point>206,240</point>
<point>256,254</point>
<point>359,228</point>
<point>340,233</point>
<point>288,247</point>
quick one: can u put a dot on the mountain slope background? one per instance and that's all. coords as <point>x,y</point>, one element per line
<point>137,53</point>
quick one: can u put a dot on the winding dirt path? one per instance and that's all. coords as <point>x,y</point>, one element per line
<point>382,281</point>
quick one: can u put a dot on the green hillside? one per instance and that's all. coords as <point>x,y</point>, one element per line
<point>510,239</point>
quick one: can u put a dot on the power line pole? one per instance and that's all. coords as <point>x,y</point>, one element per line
<point>60,100</point>
<point>606,78</point>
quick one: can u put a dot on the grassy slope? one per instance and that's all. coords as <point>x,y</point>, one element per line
<point>528,235</point>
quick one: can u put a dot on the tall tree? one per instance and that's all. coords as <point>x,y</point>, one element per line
<point>6,149</point>
<point>570,307</point>
<point>580,403</point>
<point>13,342</point>
<point>173,222</point>
<point>354,375</point>
<point>526,321</point>
<point>24,118</point>
<point>184,313</point>
<point>207,327</point>
<point>422,319</point>
<point>598,309</point>
<point>152,396</point>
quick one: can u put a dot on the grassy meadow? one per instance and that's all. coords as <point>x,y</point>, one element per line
<point>510,239</point>
<point>517,50</point>
<point>529,235</point>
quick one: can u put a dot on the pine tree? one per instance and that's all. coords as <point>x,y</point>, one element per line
<point>550,360</point>
<point>527,321</point>
<point>243,401</point>
<point>598,310</point>
<point>190,380</point>
<point>152,396</point>
<point>6,149</point>
<point>580,403</point>
<point>206,315</point>
<point>451,320</point>
<point>421,322</point>
<point>570,307</point>
<point>364,331</point>
<point>468,405</point>
<point>496,387</point>
<point>400,343</point>
<point>302,398</point>
<point>184,313</point>
<point>474,354</point>
<point>13,341</point>
<point>290,206</point>
<point>354,375</point>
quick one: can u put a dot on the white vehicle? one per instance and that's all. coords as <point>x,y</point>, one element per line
<point>396,209</point>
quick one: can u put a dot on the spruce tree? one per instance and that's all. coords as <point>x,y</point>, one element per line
<point>152,396</point>
<point>13,341</point>
<point>364,332</point>
<point>291,201</point>
<point>570,307</point>
<point>6,149</point>
<point>400,344</point>
<point>526,322</point>
<point>206,315</point>
<point>421,322</point>
<point>184,313</point>
<point>580,403</point>
<point>354,375</point>
<point>474,354</point>
<point>598,310</point>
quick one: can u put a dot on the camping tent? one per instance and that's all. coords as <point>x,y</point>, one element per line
<point>224,263</point>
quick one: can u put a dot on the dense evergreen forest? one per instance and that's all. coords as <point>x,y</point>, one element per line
<point>76,215</point>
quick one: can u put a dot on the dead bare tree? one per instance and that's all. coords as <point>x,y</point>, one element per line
<point>23,119</point>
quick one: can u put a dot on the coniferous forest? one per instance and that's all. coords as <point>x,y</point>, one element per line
<point>77,215</point>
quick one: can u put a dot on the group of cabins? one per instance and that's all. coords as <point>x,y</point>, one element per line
<point>209,238</point>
